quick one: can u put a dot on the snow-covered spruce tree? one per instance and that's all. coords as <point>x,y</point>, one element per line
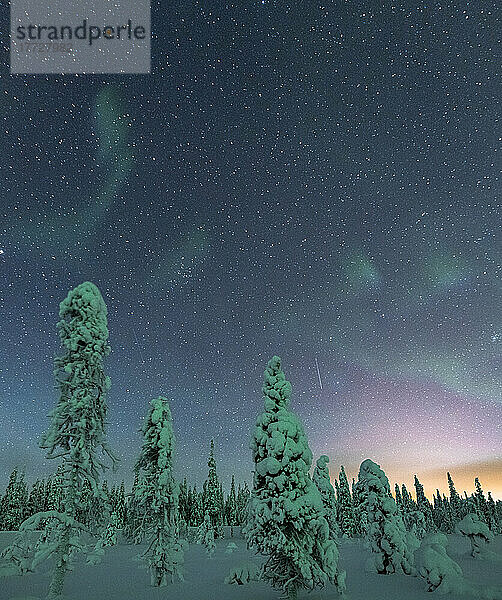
<point>197,507</point>
<point>205,535</point>
<point>157,495</point>
<point>231,506</point>
<point>408,503</point>
<point>243,495</point>
<point>493,519</point>
<point>76,432</point>
<point>77,429</point>
<point>36,498</point>
<point>399,497</point>
<point>286,516</point>
<point>477,532</point>
<point>424,506</point>
<point>481,505</point>
<point>14,505</point>
<point>323,483</point>
<point>433,564</point>
<point>133,529</point>
<point>346,517</point>
<point>212,497</point>
<point>455,500</point>
<point>360,511</point>
<point>386,535</point>
<point>120,506</point>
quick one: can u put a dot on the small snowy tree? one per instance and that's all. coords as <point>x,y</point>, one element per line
<point>243,574</point>
<point>110,535</point>
<point>433,564</point>
<point>323,483</point>
<point>386,532</point>
<point>477,532</point>
<point>157,495</point>
<point>286,516</point>
<point>205,535</point>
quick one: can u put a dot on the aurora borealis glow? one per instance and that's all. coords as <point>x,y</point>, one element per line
<point>307,181</point>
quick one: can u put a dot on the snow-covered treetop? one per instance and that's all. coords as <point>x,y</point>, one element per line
<point>276,390</point>
<point>322,462</point>
<point>321,476</point>
<point>375,480</point>
<point>83,326</point>
<point>471,524</point>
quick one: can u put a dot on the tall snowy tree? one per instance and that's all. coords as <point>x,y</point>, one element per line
<point>386,532</point>
<point>77,428</point>
<point>286,516</point>
<point>212,496</point>
<point>424,506</point>
<point>322,481</point>
<point>481,505</point>
<point>157,495</point>
<point>231,506</point>
<point>455,500</point>
<point>420,494</point>
<point>346,517</point>
<point>120,506</point>
<point>399,497</point>
<point>408,503</point>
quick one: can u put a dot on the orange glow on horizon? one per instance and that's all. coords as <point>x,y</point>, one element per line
<point>489,473</point>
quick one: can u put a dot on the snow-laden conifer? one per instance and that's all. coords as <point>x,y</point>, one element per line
<point>14,503</point>
<point>322,481</point>
<point>346,516</point>
<point>386,535</point>
<point>286,516</point>
<point>433,564</point>
<point>477,532</point>
<point>213,502</point>
<point>76,432</point>
<point>157,495</point>
<point>205,535</point>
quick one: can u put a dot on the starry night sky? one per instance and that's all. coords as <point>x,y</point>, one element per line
<point>313,180</point>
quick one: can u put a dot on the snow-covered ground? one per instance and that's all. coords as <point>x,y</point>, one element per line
<point>122,577</point>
